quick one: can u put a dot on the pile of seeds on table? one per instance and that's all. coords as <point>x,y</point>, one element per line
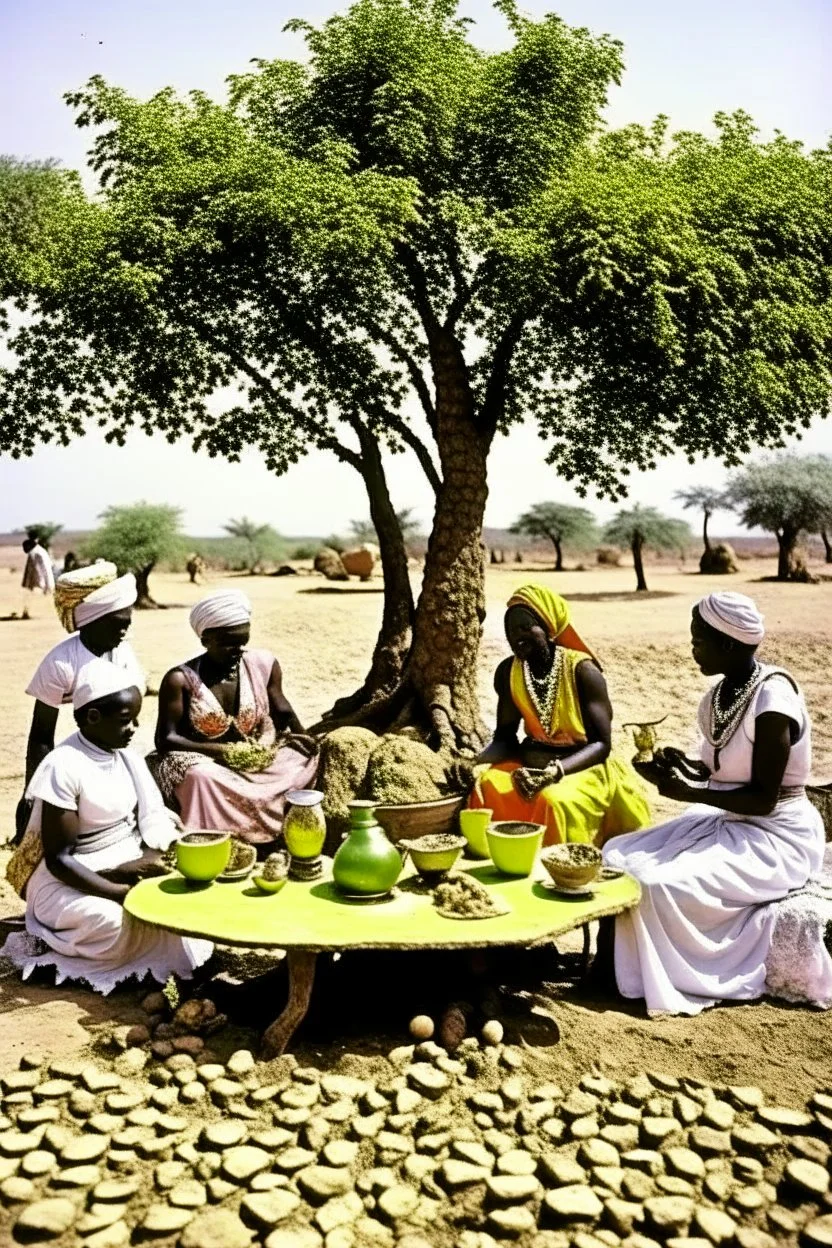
<point>467,1151</point>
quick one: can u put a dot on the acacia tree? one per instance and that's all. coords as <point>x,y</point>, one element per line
<point>135,538</point>
<point>404,219</point>
<point>702,498</point>
<point>260,541</point>
<point>559,523</point>
<point>788,495</point>
<point>640,527</point>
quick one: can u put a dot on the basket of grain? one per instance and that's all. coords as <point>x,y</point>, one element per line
<point>409,820</point>
<point>572,866</point>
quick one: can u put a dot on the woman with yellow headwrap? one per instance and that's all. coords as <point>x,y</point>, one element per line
<point>562,774</point>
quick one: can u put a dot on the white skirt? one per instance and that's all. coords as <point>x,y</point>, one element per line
<point>94,939</point>
<point>702,932</point>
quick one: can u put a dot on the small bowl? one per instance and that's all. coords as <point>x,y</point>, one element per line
<point>203,854</point>
<point>434,863</point>
<point>572,866</point>
<point>244,856</point>
<point>473,824</point>
<point>269,886</point>
<point>513,845</point>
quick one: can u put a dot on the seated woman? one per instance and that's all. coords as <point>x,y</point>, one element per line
<point>100,823</point>
<point>702,931</point>
<point>226,695</point>
<point>562,774</point>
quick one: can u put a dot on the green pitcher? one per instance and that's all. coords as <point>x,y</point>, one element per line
<point>367,864</point>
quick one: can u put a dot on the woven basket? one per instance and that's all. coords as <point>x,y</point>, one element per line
<point>412,819</point>
<point>559,861</point>
<point>71,588</point>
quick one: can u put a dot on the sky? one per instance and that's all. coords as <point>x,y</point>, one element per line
<point>688,59</point>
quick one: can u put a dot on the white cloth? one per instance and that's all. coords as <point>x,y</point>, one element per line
<point>775,694</point>
<point>703,930</point>
<point>735,615</point>
<point>115,596</point>
<point>100,679</point>
<point>223,609</point>
<point>56,678</point>
<point>38,573</point>
<point>119,810</point>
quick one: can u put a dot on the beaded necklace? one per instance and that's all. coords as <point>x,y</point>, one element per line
<point>725,720</point>
<point>543,690</point>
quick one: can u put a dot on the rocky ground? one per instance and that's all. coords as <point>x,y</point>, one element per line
<point>414,1148</point>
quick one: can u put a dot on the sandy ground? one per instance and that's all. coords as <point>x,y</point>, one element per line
<point>323,636</point>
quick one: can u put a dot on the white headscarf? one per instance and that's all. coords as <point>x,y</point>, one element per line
<point>224,609</point>
<point>119,594</point>
<point>735,615</point>
<point>99,679</point>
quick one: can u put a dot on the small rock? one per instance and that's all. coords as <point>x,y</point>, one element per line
<point>477,1154</point>
<point>745,1098</point>
<point>76,1176</point>
<point>779,1118</point>
<point>115,1235</point>
<point>715,1225</point>
<point>517,1162</point>
<point>685,1162</point>
<point>513,1222</point>
<point>579,1105</point>
<point>398,1202</point>
<point>243,1161</point>
<point>512,1189</point>
<point>223,1134</point>
<point>807,1176</point>
<point>45,1219</point>
<point>656,1131</point>
<point>623,1215</point>
<point>266,1209</point>
<point>584,1128</point>
<point>117,1190</point>
<point>320,1183</point>
<point>84,1149</point>
<point>17,1190</point>
<point>456,1174</point>
<point>686,1109</point>
<point>340,1211</point>
<point>624,1114</point>
<point>818,1232</point>
<point>224,1090</point>
<point>216,1228</point>
<point>367,1127</point>
<point>599,1152</point>
<point>292,1159</point>
<point>709,1142</point>
<point>645,1159</point>
<point>165,1220</point>
<point>54,1089</point>
<point>718,1114</point>
<point>638,1090</point>
<point>337,1087</point>
<point>623,1137</point>
<point>577,1203</point>
<point>750,1170</point>
<point>561,1170</point>
<point>636,1185</point>
<point>427,1080</point>
<point>753,1237</point>
<point>669,1213</point>
<point>754,1139</point>
<point>296,1237</point>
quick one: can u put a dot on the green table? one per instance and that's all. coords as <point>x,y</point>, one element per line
<point>310,918</point>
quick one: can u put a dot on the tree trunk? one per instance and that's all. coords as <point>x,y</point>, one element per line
<point>144,602</point>
<point>786,541</point>
<point>637,545</point>
<point>827,545</point>
<point>558,554</point>
<point>705,537</point>
<point>393,641</point>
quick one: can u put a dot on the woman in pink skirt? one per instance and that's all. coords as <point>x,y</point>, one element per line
<point>221,697</point>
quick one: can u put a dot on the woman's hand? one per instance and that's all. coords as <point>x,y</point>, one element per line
<point>151,863</point>
<point>692,768</point>
<point>530,780</point>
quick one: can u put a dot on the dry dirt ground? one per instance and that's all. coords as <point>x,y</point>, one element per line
<point>323,636</point>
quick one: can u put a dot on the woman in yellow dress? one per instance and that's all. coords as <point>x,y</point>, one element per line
<point>562,774</point>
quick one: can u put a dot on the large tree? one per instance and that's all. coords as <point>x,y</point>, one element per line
<point>559,524</point>
<point>704,498</point>
<point>638,528</point>
<point>136,538</point>
<point>403,219</point>
<point>789,496</point>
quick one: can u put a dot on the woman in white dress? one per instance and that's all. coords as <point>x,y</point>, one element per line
<point>102,825</point>
<point>702,931</point>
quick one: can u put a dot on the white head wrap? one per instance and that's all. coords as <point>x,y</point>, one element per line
<point>735,615</point>
<point>115,596</point>
<point>99,679</point>
<point>224,609</point>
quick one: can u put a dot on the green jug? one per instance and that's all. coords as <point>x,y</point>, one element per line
<point>367,863</point>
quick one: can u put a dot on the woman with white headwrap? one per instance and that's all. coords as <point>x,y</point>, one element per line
<point>96,608</point>
<point>208,708</point>
<point>97,826</point>
<point>703,930</point>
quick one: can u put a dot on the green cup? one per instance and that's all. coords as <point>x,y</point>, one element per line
<point>473,825</point>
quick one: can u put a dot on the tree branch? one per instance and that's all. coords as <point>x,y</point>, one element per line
<point>419,450</point>
<point>495,393</point>
<point>417,377</point>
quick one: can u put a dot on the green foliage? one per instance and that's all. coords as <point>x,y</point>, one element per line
<point>258,543</point>
<point>137,537</point>
<point>562,525</point>
<point>39,207</point>
<point>44,531</point>
<point>787,495</point>
<point>704,498</point>
<point>645,526</point>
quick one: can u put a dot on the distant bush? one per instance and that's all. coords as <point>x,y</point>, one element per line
<point>609,556</point>
<point>306,550</point>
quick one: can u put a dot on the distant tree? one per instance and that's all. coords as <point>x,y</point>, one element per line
<point>135,538</point>
<point>788,495</point>
<point>365,531</point>
<point>561,524</point>
<point>638,527</point>
<point>44,532</point>
<point>260,542</point>
<point>704,498</point>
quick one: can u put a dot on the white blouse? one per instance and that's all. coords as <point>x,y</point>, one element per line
<point>736,758</point>
<point>55,679</point>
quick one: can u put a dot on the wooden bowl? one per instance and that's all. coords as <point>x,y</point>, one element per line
<point>572,866</point>
<point>411,820</point>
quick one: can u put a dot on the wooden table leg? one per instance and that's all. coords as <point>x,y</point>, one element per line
<point>300,964</point>
<point>586,950</point>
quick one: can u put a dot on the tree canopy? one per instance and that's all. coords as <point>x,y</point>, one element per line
<point>44,531</point>
<point>135,538</point>
<point>560,524</point>
<point>639,527</point>
<point>787,495</point>
<point>404,222</point>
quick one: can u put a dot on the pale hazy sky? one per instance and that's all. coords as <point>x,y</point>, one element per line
<point>688,59</point>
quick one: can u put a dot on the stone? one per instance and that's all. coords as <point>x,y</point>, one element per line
<point>753,1237</point>
<point>623,1137</point>
<point>223,1090</point>
<point>711,1143</point>
<point>292,1159</point>
<point>646,1159</point>
<point>553,1129</point>
<point>239,1164</point>
<point>718,1185</point>
<point>209,1071</point>
<point>273,1139</point>
<point>576,1203</point>
<point>266,1209</point>
<point>609,1177</point>
<point>584,1128</point>
<point>622,1113</point>
<point>37,1163</point>
<point>76,1176</point>
<point>579,1105</point>
<point>638,1090</point>
<point>498,1141</point>
<point>599,1152</point>
<point>45,1219</point>
<point>512,1189</point>
<point>656,1131</point>
<point>367,1127</point>
<point>808,1177</point>
<point>340,1211</point>
<point>223,1134</point>
<point>398,1202</point>
<point>164,1220</point>
<point>105,1124</point>
<point>668,1213</point>
<point>99,1217</point>
<point>488,1101</point>
<point>715,1225</point>
<point>513,1090</point>
<point>17,1190</point>
<point>216,1228</point>
<point>513,1222</point>
<point>96,1080</point>
<point>779,1118</point>
<point>320,1183</point>
<point>673,1185</point>
<point>560,1170</point>
<point>40,1115</point>
<point>755,1139</point>
<point>750,1169</point>
<point>623,1215</point>
<point>131,1063</point>
<point>296,1237</point>
<point>686,1109</point>
<point>454,1174</point>
<point>189,1194</point>
<point>516,1162</point>
<point>685,1162</point>
<point>392,1142</point>
<point>822,1101</point>
<point>54,1089</point>
<point>427,1080</point>
<point>747,1200</point>
<point>818,1232</point>
<point>168,1173</point>
<point>113,1236</point>
<point>636,1185</point>
<point>8,1167</point>
<point>407,1101</point>
<point>337,1111</point>
<point>303,1096</point>
<point>84,1149</point>
<point>477,1154</point>
<point>745,1097</point>
<point>417,1166</point>
<point>117,1190</point>
<point>782,1220</point>
<point>337,1087</point>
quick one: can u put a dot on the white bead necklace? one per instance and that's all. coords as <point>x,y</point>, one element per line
<point>724,721</point>
<point>543,690</point>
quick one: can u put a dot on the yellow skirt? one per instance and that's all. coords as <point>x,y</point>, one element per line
<point>589,806</point>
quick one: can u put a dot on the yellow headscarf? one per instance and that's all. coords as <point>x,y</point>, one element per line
<point>553,612</point>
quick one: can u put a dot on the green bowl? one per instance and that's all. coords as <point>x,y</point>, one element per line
<point>269,886</point>
<point>513,845</point>
<point>202,855</point>
<point>434,862</point>
<point>473,824</point>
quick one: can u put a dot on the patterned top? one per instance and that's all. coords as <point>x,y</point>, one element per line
<point>253,718</point>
